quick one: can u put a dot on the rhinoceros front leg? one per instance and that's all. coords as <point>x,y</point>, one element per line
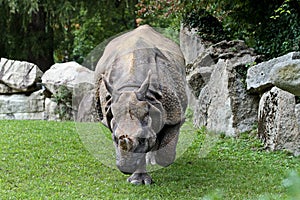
<point>166,152</point>
<point>140,176</point>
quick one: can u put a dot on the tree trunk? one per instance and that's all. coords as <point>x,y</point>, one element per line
<point>40,46</point>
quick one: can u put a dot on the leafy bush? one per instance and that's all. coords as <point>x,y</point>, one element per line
<point>272,29</point>
<point>280,34</point>
<point>209,28</point>
<point>63,98</point>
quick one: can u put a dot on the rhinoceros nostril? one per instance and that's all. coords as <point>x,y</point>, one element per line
<point>123,137</point>
<point>125,143</point>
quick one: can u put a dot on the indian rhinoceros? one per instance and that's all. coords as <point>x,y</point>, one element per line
<point>141,98</point>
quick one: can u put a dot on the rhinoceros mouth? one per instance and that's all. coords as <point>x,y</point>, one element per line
<point>129,162</point>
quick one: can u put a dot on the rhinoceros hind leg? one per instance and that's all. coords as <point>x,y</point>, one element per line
<point>140,178</point>
<point>166,153</point>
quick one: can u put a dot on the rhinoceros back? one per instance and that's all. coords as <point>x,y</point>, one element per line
<point>127,60</point>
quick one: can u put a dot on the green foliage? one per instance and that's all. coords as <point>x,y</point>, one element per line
<point>208,27</point>
<point>68,29</point>
<point>272,29</point>
<point>284,8</point>
<point>33,29</point>
<point>161,13</point>
<point>242,71</point>
<point>71,29</point>
<point>280,33</point>
<point>297,99</point>
<point>63,98</point>
<point>170,33</point>
<point>96,22</point>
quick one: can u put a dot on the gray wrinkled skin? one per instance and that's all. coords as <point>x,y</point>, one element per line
<point>141,98</point>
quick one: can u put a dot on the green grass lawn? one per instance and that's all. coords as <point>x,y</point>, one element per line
<point>47,160</point>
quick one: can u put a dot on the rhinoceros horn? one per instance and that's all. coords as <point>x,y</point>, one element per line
<point>142,91</point>
<point>107,85</point>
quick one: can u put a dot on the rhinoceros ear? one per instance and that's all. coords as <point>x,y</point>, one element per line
<point>142,91</point>
<point>114,93</point>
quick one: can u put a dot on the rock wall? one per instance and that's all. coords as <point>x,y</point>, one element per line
<point>27,93</point>
<point>235,91</point>
<point>278,125</point>
<point>21,106</point>
<point>217,80</point>
<point>277,82</point>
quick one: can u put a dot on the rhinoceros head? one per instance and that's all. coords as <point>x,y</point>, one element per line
<point>134,125</point>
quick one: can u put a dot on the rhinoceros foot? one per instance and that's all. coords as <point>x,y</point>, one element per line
<point>140,178</point>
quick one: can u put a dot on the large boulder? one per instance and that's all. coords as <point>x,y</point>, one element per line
<point>18,76</point>
<point>70,75</point>
<point>278,125</point>
<point>236,51</point>
<point>4,89</point>
<point>203,60</point>
<point>87,109</point>
<point>198,78</point>
<point>297,112</point>
<point>68,82</point>
<point>20,106</point>
<point>240,56</point>
<point>217,79</point>
<point>51,109</point>
<point>286,75</point>
<point>191,44</point>
<point>259,76</point>
<point>224,105</point>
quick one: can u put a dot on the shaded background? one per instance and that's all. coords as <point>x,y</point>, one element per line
<point>44,31</point>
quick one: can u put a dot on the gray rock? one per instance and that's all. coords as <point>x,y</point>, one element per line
<point>20,106</point>
<point>4,89</point>
<point>277,123</point>
<point>191,44</point>
<point>192,99</point>
<point>21,76</point>
<point>244,60</point>
<point>240,56</point>
<point>230,50</point>
<point>87,109</point>
<point>224,105</point>
<point>22,116</point>
<point>286,76</point>
<point>51,110</point>
<point>70,75</point>
<point>198,78</point>
<point>259,77</point>
<point>69,81</point>
<point>297,112</point>
<point>203,60</point>
<point>201,109</point>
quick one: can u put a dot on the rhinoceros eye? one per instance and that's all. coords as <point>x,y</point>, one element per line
<point>142,141</point>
